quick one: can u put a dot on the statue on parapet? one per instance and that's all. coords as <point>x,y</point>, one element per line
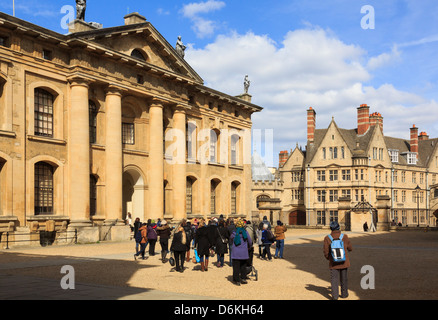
<point>180,47</point>
<point>81,6</point>
<point>246,84</point>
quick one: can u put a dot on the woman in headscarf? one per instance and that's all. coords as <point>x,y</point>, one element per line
<point>179,247</point>
<point>241,243</point>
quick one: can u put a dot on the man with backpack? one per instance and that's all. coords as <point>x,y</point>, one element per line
<point>336,246</point>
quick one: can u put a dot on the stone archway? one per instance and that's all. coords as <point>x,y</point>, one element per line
<point>133,194</point>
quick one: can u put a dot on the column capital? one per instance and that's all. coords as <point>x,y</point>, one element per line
<point>78,81</point>
<point>181,108</point>
<point>114,90</point>
<point>156,102</point>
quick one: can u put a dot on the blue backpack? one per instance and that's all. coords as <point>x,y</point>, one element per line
<point>337,249</point>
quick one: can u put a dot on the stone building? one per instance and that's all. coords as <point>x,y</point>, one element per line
<point>106,121</point>
<point>357,175</point>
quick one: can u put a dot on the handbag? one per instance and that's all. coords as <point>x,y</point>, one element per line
<point>223,240</point>
<point>172,259</point>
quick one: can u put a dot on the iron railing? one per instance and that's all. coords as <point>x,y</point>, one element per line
<point>45,237</point>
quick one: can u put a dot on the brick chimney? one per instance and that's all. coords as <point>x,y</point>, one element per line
<point>363,119</point>
<point>423,136</point>
<point>282,158</point>
<point>414,139</point>
<point>376,119</point>
<point>311,124</point>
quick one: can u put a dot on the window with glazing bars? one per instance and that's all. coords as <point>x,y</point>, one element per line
<point>92,108</point>
<point>43,188</point>
<point>43,113</point>
<point>233,199</point>
<point>213,198</point>
<point>128,136</point>
<point>189,190</point>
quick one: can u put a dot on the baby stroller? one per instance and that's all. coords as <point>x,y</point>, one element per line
<point>250,270</point>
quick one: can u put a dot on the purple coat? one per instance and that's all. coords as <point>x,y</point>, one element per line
<point>240,252</point>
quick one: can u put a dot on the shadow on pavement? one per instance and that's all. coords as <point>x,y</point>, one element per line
<point>404,263</point>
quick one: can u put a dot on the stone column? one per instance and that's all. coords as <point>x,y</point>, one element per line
<point>179,163</point>
<point>156,161</point>
<point>113,157</point>
<point>383,211</point>
<point>79,154</point>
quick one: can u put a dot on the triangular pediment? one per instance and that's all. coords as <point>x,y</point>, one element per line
<point>152,50</point>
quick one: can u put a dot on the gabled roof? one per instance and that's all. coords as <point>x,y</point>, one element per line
<point>128,33</point>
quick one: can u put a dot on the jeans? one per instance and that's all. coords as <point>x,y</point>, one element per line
<point>279,248</point>
<point>142,250</point>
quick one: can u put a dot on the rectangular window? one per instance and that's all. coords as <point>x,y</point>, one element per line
<point>320,175</point>
<point>333,175</point>
<point>43,113</point>
<point>320,217</point>
<point>323,153</point>
<point>4,41</point>
<point>346,175</point>
<point>128,134</point>
<point>321,195</point>
<point>333,215</point>
<point>43,188</point>
<point>47,55</point>
<point>189,196</point>
<point>333,195</point>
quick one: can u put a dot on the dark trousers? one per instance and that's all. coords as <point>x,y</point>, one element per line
<point>152,243</point>
<point>267,251</point>
<point>239,270</point>
<point>179,260</point>
<point>339,277</point>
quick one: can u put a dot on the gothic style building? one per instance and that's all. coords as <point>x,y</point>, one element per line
<point>106,121</point>
<point>344,168</point>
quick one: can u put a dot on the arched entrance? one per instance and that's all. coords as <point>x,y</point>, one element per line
<point>297,218</point>
<point>133,194</point>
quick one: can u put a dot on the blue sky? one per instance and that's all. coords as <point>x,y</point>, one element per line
<point>297,54</point>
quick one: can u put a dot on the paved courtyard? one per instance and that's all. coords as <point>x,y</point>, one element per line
<point>404,262</point>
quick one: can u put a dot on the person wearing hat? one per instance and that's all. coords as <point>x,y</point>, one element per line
<point>164,232</point>
<point>338,270</point>
<point>241,243</point>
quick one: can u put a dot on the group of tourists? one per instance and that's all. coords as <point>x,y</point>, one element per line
<point>205,239</point>
<point>198,240</point>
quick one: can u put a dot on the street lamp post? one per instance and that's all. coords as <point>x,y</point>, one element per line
<point>418,205</point>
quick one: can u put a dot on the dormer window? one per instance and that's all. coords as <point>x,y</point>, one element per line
<point>393,154</point>
<point>137,54</point>
<point>411,158</point>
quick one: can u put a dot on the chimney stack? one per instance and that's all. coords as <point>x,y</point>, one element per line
<point>376,119</point>
<point>414,139</point>
<point>423,136</point>
<point>363,119</point>
<point>311,124</point>
<point>283,158</point>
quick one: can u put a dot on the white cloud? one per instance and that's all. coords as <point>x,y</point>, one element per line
<point>384,59</point>
<point>201,26</point>
<point>311,67</point>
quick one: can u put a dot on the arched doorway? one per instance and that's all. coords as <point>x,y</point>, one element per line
<point>297,218</point>
<point>133,194</point>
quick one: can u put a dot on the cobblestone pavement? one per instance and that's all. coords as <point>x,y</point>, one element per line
<point>404,263</point>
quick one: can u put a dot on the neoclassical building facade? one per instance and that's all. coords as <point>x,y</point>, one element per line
<point>106,121</point>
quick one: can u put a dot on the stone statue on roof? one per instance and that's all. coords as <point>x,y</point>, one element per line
<point>81,5</point>
<point>246,84</point>
<point>180,47</point>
